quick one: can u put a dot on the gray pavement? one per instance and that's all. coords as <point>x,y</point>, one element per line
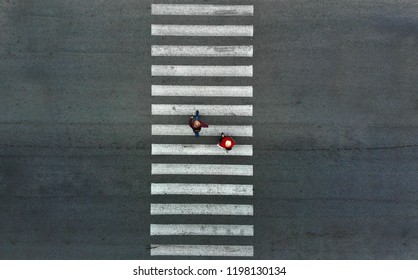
<point>335,123</point>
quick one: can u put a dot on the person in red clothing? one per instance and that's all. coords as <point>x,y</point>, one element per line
<point>226,142</point>
<point>196,124</point>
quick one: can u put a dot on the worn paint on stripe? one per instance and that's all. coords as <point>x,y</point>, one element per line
<point>200,150</point>
<point>202,51</point>
<point>203,91</point>
<point>201,189</point>
<point>205,110</point>
<point>202,10</point>
<point>212,130</point>
<point>202,250</point>
<point>201,209</point>
<point>202,70</point>
<point>201,30</point>
<point>201,169</point>
<point>202,229</point>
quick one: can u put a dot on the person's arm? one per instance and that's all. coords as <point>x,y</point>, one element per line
<point>203,124</point>
<point>191,122</point>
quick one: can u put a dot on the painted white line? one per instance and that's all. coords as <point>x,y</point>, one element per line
<point>207,91</point>
<point>200,150</point>
<point>202,250</point>
<point>202,229</point>
<point>202,51</point>
<point>201,209</point>
<point>202,70</point>
<point>202,10</point>
<point>205,110</point>
<point>201,30</point>
<point>201,169</point>
<point>201,189</point>
<point>212,130</point>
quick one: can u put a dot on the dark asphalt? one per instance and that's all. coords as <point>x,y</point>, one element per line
<point>335,123</point>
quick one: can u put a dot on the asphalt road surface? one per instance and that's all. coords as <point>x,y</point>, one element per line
<point>333,113</point>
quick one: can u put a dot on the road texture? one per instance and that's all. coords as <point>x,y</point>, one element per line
<point>335,117</point>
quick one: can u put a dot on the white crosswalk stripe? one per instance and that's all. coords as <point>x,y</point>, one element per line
<point>201,169</point>
<point>202,30</point>
<point>202,250</point>
<point>202,91</point>
<point>202,70</point>
<point>201,189</point>
<point>201,229</point>
<point>201,209</point>
<point>202,51</point>
<point>207,110</point>
<point>212,130</point>
<point>199,150</point>
<point>202,10</point>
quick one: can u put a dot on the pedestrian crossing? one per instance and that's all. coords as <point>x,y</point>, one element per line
<point>199,150</point>
<point>202,71</point>
<point>213,130</point>
<point>202,229</point>
<point>209,110</point>
<point>201,169</point>
<point>202,250</point>
<point>201,209</point>
<point>201,189</point>
<point>202,91</point>
<point>202,51</point>
<point>192,177</point>
<point>202,30</point>
<point>201,10</point>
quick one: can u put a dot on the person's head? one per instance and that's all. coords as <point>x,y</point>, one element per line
<point>222,135</point>
<point>228,144</point>
<point>196,124</point>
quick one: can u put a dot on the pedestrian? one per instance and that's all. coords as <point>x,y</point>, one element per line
<point>226,142</point>
<point>196,124</point>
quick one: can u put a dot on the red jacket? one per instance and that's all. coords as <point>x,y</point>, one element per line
<point>227,140</point>
<point>197,129</point>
